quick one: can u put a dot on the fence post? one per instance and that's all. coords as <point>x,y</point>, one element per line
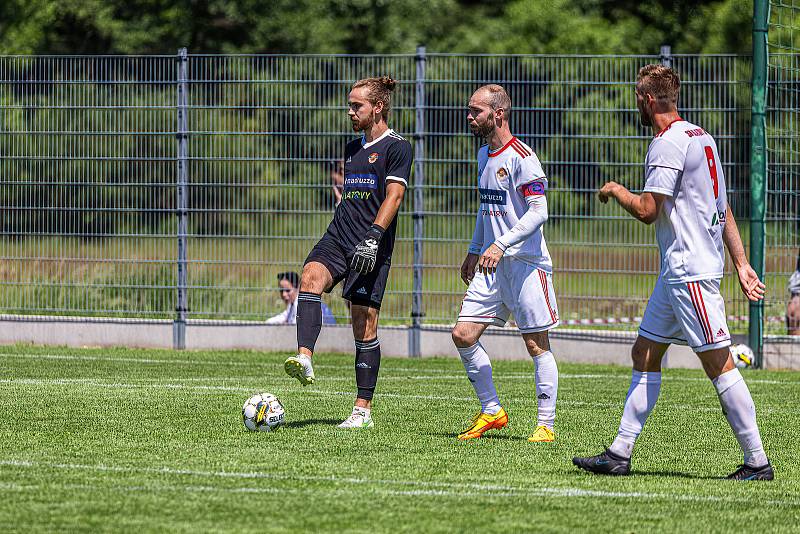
<point>181,135</point>
<point>758,169</point>
<point>666,56</point>
<point>418,215</point>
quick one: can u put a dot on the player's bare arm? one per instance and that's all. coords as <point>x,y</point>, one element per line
<point>390,206</point>
<point>366,253</point>
<point>644,207</point>
<point>752,287</point>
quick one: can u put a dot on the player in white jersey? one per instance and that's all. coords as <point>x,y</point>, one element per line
<point>685,195</point>
<point>515,271</point>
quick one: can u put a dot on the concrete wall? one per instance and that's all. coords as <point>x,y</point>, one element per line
<point>586,346</point>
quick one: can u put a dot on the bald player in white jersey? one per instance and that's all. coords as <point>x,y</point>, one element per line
<point>515,270</point>
<point>685,195</point>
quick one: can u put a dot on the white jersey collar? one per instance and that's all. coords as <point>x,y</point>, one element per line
<point>364,144</point>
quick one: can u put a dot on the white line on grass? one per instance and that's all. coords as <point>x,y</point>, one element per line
<point>512,376</point>
<point>189,362</point>
<point>431,489</point>
<point>325,393</point>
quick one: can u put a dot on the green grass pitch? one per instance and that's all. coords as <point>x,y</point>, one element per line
<point>148,440</point>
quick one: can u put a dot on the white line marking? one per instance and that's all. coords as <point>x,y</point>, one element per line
<point>501,377</point>
<point>435,489</point>
<point>193,362</point>
<point>328,393</point>
<point>511,376</point>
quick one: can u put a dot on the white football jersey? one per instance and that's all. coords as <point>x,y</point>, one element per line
<point>506,177</point>
<point>690,225</point>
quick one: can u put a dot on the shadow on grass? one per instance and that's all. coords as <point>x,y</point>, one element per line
<point>484,437</point>
<point>675,474</point>
<point>310,422</point>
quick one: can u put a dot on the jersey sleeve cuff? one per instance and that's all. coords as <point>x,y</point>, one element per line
<point>397,179</point>
<point>656,189</point>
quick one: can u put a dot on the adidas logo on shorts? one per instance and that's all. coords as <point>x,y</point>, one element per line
<point>721,333</point>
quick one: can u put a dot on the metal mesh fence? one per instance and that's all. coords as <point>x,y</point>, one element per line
<point>783,164</point>
<point>90,151</point>
<point>86,159</point>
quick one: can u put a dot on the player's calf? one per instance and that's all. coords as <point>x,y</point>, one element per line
<point>368,363</point>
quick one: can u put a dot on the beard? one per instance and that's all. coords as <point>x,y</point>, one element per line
<point>484,131</point>
<point>644,118</point>
<point>359,125</point>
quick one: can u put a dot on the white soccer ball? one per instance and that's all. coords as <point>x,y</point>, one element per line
<point>742,355</point>
<point>262,412</point>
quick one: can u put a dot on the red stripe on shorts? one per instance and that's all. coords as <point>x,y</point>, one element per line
<point>693,293</point>
<point>543,278</point>
<point>705,314</point>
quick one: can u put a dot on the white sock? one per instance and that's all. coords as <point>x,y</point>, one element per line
<point>479,371</point>
<point>546,388</point>
<point>739,410</point>
<point>642,397</point>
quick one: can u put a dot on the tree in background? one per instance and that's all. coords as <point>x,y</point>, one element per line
<point>373,26</point>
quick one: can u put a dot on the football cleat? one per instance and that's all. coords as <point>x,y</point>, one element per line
<point>299,367</point>
<point>542,434</point>
<point>483,422</point>
<point>745,472</point>
<point>358,419</point>
<point>606,463</point>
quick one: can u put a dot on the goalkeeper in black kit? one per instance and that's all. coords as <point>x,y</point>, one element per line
<point>357,247</point>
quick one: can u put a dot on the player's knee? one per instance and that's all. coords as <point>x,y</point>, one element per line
<point>537,343</point>
<point>462,336</point>
<point>312,281</point>
<point>642,357</point>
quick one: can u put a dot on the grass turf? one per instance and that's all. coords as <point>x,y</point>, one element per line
<point>122,439</point>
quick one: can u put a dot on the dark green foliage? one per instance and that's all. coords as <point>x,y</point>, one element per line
<point>373,26</point>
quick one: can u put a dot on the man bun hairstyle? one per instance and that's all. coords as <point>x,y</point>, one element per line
<point>661,82</point>
<point>379,89</point>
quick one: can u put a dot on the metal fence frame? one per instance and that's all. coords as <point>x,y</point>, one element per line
<point>427,87</point>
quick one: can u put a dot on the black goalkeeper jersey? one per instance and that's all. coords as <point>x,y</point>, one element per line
<point>367,169</point>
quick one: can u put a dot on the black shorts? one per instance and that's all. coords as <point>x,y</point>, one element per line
<point>360,289</point>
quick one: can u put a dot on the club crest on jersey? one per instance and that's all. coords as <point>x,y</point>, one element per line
<point>502,174</point>
<point>373,157</point>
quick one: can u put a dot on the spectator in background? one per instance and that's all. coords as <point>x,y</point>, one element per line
<point>793,307</point>
<point>288,284</point>
<point>337,180</point>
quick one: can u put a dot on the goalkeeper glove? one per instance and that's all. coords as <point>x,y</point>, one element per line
<point>367,251</point>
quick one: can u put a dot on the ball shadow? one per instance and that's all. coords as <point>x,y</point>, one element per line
<point>311,422</point>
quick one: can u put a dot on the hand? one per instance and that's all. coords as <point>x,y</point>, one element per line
<point>366,253</point>
<point>489,259</point>
<point>752,287</point>
<point>468,268</point>
<point>607,191</point>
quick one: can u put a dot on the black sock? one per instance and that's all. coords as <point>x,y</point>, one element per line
<point>368,361</point>
<point>309,319</point>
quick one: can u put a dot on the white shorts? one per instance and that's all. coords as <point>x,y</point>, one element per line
<point>516,287</point>
<point>687,313</point>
